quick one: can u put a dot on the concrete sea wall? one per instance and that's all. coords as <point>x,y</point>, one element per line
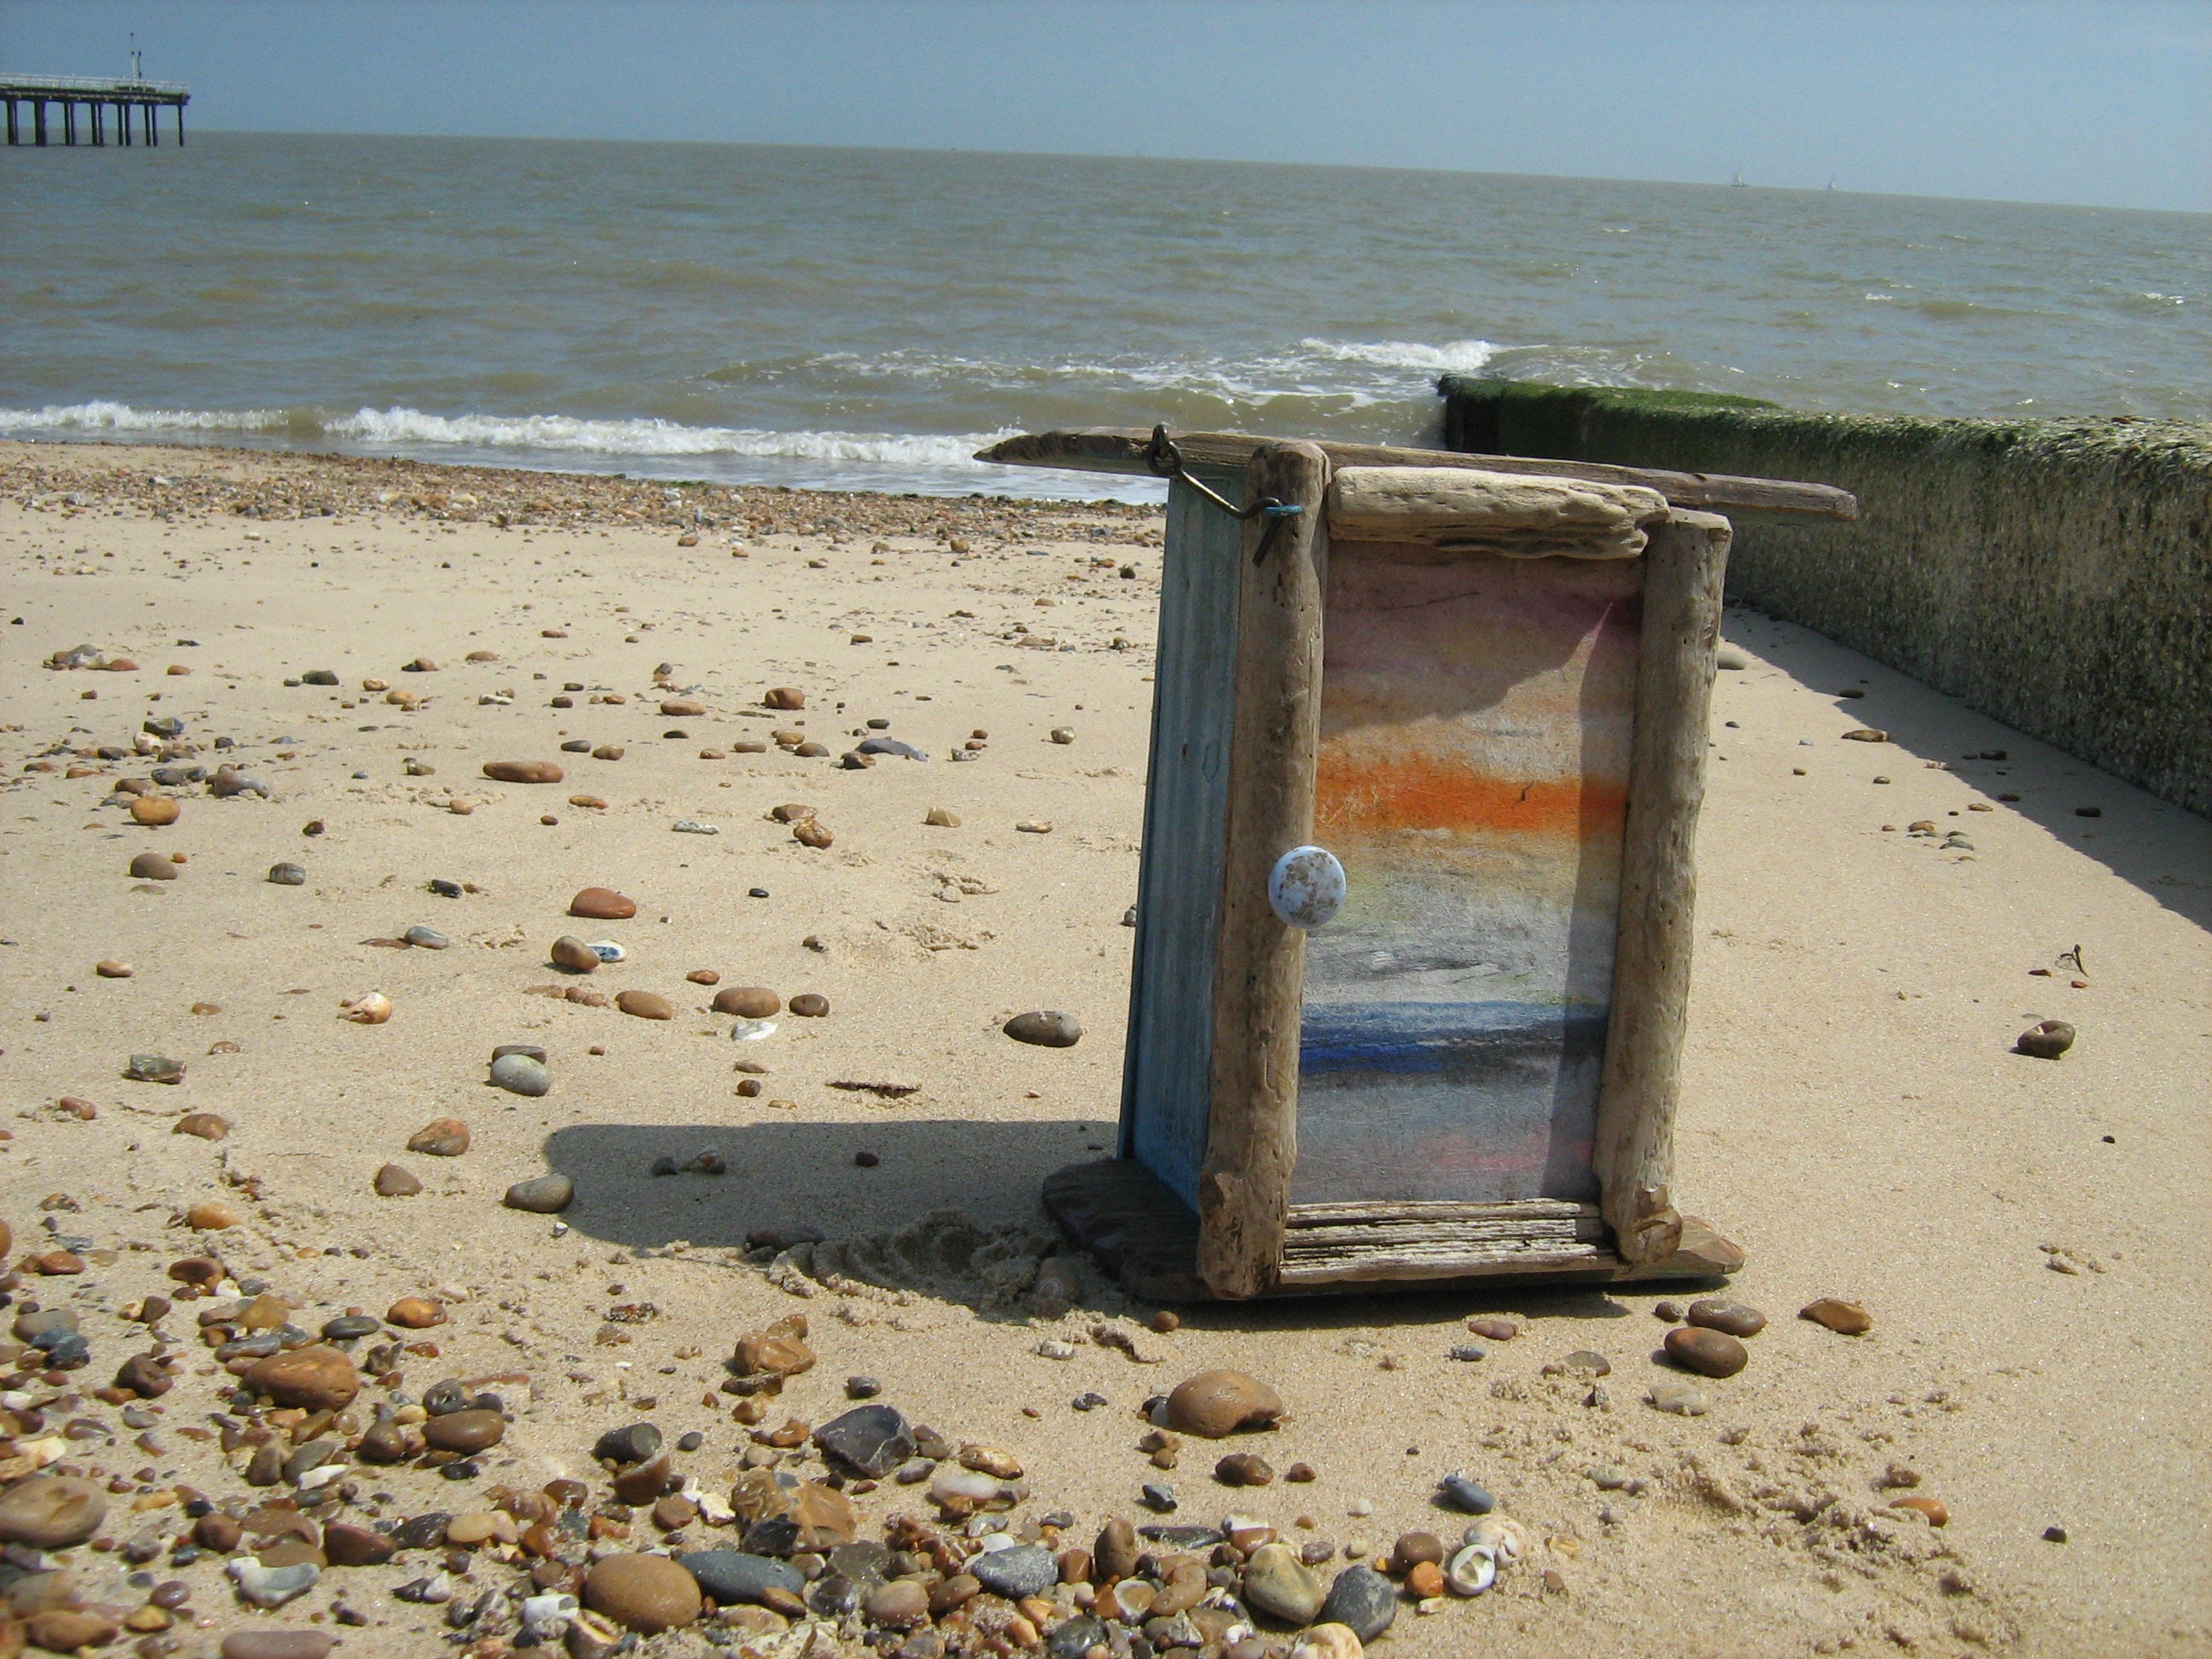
<point>2055,574</point>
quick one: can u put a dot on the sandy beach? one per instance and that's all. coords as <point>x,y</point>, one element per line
<point>2028,1235</point>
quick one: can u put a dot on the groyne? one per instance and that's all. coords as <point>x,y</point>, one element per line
<point>2055,574</point>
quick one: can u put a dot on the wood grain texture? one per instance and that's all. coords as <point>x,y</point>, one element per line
<point>1121,449</point>
<point>1505,512</point>
<point>1684,566</point>
<point>1167,1084</point>
<point>1244,1189</point>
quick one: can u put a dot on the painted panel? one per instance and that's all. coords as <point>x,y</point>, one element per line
<point>1166,1087</point>
<point>1476,717</point>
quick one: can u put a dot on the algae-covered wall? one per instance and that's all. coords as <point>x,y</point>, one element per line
<point>2056,575</point>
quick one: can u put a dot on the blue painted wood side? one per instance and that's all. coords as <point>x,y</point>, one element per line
<point>1166,1089</point>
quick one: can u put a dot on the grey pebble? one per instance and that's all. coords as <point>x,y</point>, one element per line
<point>1159,1499</point>
<point>546,1195</point>
<point>1464,1494</point>
<point>732,1577</point>
<point>1045,1028</point>
<point>518,1074</point>
<point>426,938</point>
<point>1363,1599</point>
<point>1025,1570</point>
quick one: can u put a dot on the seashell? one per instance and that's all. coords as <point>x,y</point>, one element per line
<point>1506,1538</point>
<point>1472,1570</point>
<point>373,1009</point>
<point>606,950</point>
<point>752,1030</point>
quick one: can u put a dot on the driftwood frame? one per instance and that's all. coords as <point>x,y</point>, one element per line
<point>1246,1238</point>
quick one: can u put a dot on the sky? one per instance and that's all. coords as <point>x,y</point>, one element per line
<point>2098,102</point>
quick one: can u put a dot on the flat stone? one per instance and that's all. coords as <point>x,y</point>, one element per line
<point>1717,1314</point>
<point>156,1068</point>
<point>278,1644</point>
<point>780,1350</point>
<point>647,1594</point>
<point>1278,1584</point>
<point>346,1545</point>
<point>318,1378</point>
<point>545,1195</point>
<point>646,1005</point>
<point>443,1137</point>
<point>51,1512</point>
<point>206,1125</point>
<point>870,1440</point>
<point>1025,1570</point>
<point>1845,1318</point>
<point>731,1576</point>
<point>1045,1028</point>
<point>1363,1599</point>
<point>520,1074</point>
<point>272,1587</point>
<point>748,1001</point>
<point>901,1606</point>
<point>1498,1330</point>
<point>602,904</point>
<point>415,1313</point>
<point>1075,1639</point>
<point>393,1182</point>
<point>537,771</point>
<point>465,1431</point>
<point>1708,1352</point>
<point>1679,1396</point>
<point>426,938</point>
<point>810,1005</point>
<point>1466,1495</point>
<point>1215,1404</point>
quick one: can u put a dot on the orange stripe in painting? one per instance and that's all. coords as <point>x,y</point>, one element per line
<point>1422,792</point>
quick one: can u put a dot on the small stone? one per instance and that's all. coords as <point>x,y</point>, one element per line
<point>747,1001</point>
<point>415,1313</point>
<point>1025,1570</point>
<point>287,875</point>
<point>648,1593</point>
<point>704,976</point>
<point>572,953</point>
<point>1034,826</point>
<point>1733,1317</point>
<point>1159,1498</point>
<point>938,818</point>
<point>1046,1028</point>
<point>602,904</point>
<point>393,1182</point>
<point>733,1578</point>
<point>870,1440</point>
<point>1845,1318</point>
<point>811,832</point>
<point>779,1351</point>
<point>784,696</point>
<point>444,1137</point>
<point>1216,1404</point>
<point>113,969</point>
<point>810,1005</point>
<point>156,810</point>
<point>1279,1584</point>
<point>646,1005</point>
<point>522,771</point>
<point>51,1512</point>
<point>213,1217</point>
<point>318,1378</point>
<point>155,867</point>
<point>1244,1469</point>
<point>272,1587</point>
<point>1930,1510</point>
<point>1464,1495</point>
<point>1498,1330</point>
<point>1679,1396</point>
<point>1671,1312</point>
<point>2047,1040</point>
<point>1709,1352</point>
<point>1363,1599</point>
<point>900,1605</point>
<point>278,1644</point>
<point>1584,1361</point>
<point>544,1195</point>
<point>1469,1352</point>
<point>465,1431</point>
<point>521,1074</point>
<point>67,1630</point>
<point>208,1126</point>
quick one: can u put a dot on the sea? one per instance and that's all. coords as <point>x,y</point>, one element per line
<point>865,319</point>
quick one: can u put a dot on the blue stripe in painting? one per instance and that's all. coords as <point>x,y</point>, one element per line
<point>1411,1037</point>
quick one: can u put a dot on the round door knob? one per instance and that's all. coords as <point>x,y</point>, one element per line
<point>1306,886</point>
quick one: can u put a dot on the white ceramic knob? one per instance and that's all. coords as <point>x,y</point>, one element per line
<point>1306,886</point>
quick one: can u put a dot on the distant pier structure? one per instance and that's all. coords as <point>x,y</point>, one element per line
<point>128,100</point>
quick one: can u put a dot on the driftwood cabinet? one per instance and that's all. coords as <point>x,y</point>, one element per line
<point>1414,919</point>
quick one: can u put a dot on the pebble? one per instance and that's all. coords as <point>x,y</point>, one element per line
<point>444,1137</point>
<point>520,1074</point>
<point>870,1440</point>
<point>113,969</point>
<point>901,1605</point>
<point>272,1587</point>
<point>732,1578</point>
<point>648,1593</point>
<point>602,904</point>
<point>1707,1352</point>
<point>646,1004</point>
<point>212,1218</point>
<point>572,953</point>
<point>287,875</point>
<point>784,696</point>
<point>154,866</point>
<point>2046,1040</point>
<point>1679,1396</point>
<point>1845,1318</point>
<point>207,1126</point>
<point>1025,1570</point>
<point>156,810</point>
<point>1046,1028</point>
<point>747,1001</point>
<point>811,832</point>
<point>1361,1600</point>
<point>1468,1351</point>
<point>1464,1495</point>
<point>426,938</point>
<point>1277,1582</point>
<point>522,771</point>
<point>1215,1404</point>
<point>465,1431</point>
<point>634,1444</point>
<point>51,1512</point>
<point>810,1005</point>
<point>1583,1360</point>
<point>1159,1498</point>
<point>1930,1510</point>
<point>545,1195</point>
<point>415,1313</point>
<point>938,818</point>
<point>1034,826</point>
<point>318,1378</point>
<point>1733,1317</point>
<point>278,1644</point>
<point>1244,1469</point>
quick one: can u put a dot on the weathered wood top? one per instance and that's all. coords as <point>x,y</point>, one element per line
<point>1121,449</point>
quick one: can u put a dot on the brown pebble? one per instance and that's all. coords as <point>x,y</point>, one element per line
<point>1424,1580</point>
<point>646,1005</point>
<point>393,1182</point>
<point>704,976</point>
<point>784,696</point>
<point>810,1005</point>
<point>1302,1473</point>
<point>415,1313</point>
<point>1165,1319</point>
<point>317,1378</point>
<point>1708,1352</point>
<point>572,953</point>
<point>154,866</point>
<point>1215,1404</point>
<point>465,1431</point>
<point>1244,1469</point>
<point>682,707</point>
<point>346,1545</point>
<point>1929,1509</point>
<point>208,1126</point>
<point>602,904</point>
<point>537,771</point>
<point>113,969</point>
<point>811,832</point>
<point>747,1001</point>
<point>212,1217</point>
<point>1669,1311</point>
<point>648,1593</point>
<point>1845,1318</point>
<point>1717,1314</point>
<point>749,1087</point>
<point>1413,1548</point>
<point>444,1137</point>
<point>1498,1330</point>
<point>156,810</point>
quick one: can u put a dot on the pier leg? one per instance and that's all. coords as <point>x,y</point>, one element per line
<point>11,123</point>
<point>123,121</point>
<point>69,121</point>
<point>180,126</point>
<point>38,122</point>
<point>97,110</point>
<point>152,123</point>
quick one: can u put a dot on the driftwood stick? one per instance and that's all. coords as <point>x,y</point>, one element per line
<point>1121,449</point>
<point>1683,567</point>
<point>1252,1139</point>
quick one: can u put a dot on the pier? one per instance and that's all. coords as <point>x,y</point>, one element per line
<point>127,101</point>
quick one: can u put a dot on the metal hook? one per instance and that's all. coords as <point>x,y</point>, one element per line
<point>1165,461</point>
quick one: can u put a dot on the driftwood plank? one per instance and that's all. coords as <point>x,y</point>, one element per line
<point>1244,1189</point>
<point>1683,567</point>
<point>1121,449</point>
<point>1166,1083</point>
